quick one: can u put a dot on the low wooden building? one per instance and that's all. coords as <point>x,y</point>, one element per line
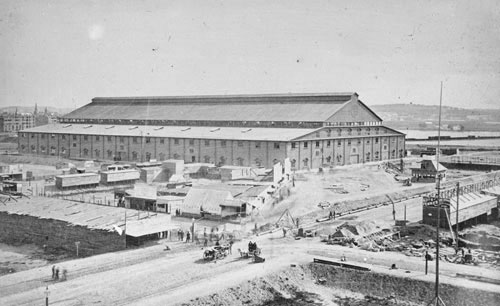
<point>60,224</point>
<point>428,171</point>
<point>473,208</point>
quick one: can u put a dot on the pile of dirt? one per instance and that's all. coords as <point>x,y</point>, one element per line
<point>362,228</point>
<point>369,300</point>
<point>295,286</point>
<point>352,229</point>
<point>484,234</point>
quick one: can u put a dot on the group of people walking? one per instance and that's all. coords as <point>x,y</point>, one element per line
<point>180,235</point>
<point>55,273</point>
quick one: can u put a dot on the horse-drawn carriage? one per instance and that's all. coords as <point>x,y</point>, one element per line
<point>253,251</point>
<point>217,252</point>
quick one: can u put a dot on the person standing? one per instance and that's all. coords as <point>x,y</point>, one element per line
<point>231,246</point>
<point>64,274</point>
<point>188,236</point>
<point>53,272</point>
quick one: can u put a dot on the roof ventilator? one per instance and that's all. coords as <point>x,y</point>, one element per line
<point>246,131</point>
<point>215,130</point>
<point>133,128</point>
<point>186,129</point>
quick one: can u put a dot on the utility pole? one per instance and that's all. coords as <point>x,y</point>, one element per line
<point>456,223</point>
<point>47,296</point>
<point>437,299</point>
<point>426,261</point>
<point>405,214</point>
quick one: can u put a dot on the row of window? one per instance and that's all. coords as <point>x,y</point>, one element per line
<point>284,124</point>
<point>223,143</point>
<point>207,159</point>
<point>369,123</point>
<point>339,143</point>
<point>222,123</point>
<point>276,145</point>
<point>350,130</point>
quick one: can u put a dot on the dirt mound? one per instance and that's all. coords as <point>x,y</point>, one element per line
<point>361,228</point>
<point>295,286</point>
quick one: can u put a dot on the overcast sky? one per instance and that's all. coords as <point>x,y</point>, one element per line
<point>64,53</point>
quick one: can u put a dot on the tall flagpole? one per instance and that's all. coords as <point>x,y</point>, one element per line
<point>437,299</point>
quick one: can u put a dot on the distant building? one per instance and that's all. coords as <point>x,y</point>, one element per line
<point>312,130</point>
<point>44,118</point>
<point>16,122</point>
<point>428,171</point>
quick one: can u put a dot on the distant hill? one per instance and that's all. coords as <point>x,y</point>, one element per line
<point>416,116</point>
<point>30,109</point>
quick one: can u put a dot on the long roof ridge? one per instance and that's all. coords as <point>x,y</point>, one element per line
<point>342,95</point>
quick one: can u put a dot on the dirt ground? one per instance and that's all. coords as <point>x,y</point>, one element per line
<point>20,258</point>
<point>332,186</point>
<point>179,276</point>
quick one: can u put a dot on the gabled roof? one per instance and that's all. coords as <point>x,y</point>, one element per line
<point>434,165</point>
<point>273,107</point>
<point>207,199</point>
<point>91,216</point>
<point>235,190</point>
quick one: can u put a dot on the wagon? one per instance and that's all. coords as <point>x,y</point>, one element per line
<point>217,252</point>
<point>253,251</point>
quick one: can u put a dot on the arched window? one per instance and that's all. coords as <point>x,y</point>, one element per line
<point>134,155</point>
<point>148,156</point>
<point>176,156</point>
<point>306,162</point>
<point>258,162</point>
<point>162,156</point>
<point>97,153</point>
<point>33,148</point>
<point>239,161</point>
<point>85,152</point>
<point>222,160</point>
<point>328,159</point>
<point>293,163</point>
<point>206,158</point>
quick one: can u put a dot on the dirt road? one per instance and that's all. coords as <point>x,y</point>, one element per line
<point>151,276</point>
